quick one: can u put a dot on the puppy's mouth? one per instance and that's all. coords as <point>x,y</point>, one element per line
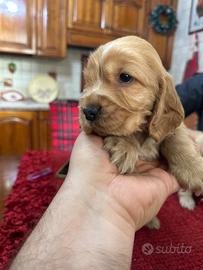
<point>95,119</point>
<point>108,119</point>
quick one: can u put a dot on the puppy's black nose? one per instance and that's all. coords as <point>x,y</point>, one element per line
<point>91,112</point>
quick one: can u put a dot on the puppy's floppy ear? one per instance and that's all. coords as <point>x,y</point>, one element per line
<point>168,111</point>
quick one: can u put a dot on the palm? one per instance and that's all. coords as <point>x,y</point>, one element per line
<point>141,195</point>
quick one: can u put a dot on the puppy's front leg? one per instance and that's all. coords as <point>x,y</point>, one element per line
<point>185,163</point>
<point>123,152</point>
<point>186,200</point>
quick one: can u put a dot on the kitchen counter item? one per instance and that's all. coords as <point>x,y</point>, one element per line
<point>12,96</point>
<point>43,89</point>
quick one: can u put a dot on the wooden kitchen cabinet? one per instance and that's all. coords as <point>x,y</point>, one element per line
<point>44,130</point>
<point>95,22</point>
<point>23,130</point>
<point>51,27</point>
<point>86,15</point>
<point>17,27</point>
<point>127,17</point>
<point>87,23</point>
<point>35,27</point>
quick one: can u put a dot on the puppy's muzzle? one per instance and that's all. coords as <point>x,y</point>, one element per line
<point>92,112</point>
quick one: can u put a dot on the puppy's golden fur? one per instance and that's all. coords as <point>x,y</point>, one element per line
<point>142,118</point>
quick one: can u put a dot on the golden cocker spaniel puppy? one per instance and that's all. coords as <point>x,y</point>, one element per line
<point>130,100</point>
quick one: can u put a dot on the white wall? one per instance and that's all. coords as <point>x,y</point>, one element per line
<point>68,72</point>
<point>183,43</point>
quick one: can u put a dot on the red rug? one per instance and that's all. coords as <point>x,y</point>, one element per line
<point>177,245</point>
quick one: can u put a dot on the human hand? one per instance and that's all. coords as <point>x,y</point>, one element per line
<point>133,198</point>
<point>92,220</point>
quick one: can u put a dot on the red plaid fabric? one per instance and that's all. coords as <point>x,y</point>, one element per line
<point>64,124</point>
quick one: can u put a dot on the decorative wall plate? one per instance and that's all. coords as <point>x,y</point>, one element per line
<point>12,95</point>
<point>43,89</point>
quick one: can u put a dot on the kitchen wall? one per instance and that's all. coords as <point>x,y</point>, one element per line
<point>68,72</point>
<point>183,43</point>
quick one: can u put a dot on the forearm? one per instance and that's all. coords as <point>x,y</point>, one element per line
<point>77,232</point>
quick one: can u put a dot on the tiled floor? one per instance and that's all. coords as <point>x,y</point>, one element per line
<point>8,172</point>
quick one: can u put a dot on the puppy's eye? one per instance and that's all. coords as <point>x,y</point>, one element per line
<point>125,78</point>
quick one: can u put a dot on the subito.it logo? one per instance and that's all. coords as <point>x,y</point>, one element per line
<point>147,249</point>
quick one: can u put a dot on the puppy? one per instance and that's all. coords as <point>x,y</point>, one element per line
<point>185,196</point>
<point>130,100</point>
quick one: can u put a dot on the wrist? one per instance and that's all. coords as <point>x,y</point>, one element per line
<point>97,200</point>
<point>103,228</point>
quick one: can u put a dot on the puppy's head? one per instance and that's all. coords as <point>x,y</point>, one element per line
<point>127,90</point>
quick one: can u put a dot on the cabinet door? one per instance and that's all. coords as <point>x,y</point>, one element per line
<point>162,43</point>
<point>88,22</point>
<point>17,26</point>
<point>44,130</point>
<point>86,15</point>
<point>127,17</point>
<point>51,27</point>
<point>19,132</point>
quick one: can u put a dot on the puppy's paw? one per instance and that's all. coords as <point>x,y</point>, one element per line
<point>154,224</point>
<point>122,153</point>
<point>149,150</point>
<point>196,179</point>
<point>189,173</point>
<point>186,200</point>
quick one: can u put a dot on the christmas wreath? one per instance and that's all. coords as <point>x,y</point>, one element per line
<point>155,19</point>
